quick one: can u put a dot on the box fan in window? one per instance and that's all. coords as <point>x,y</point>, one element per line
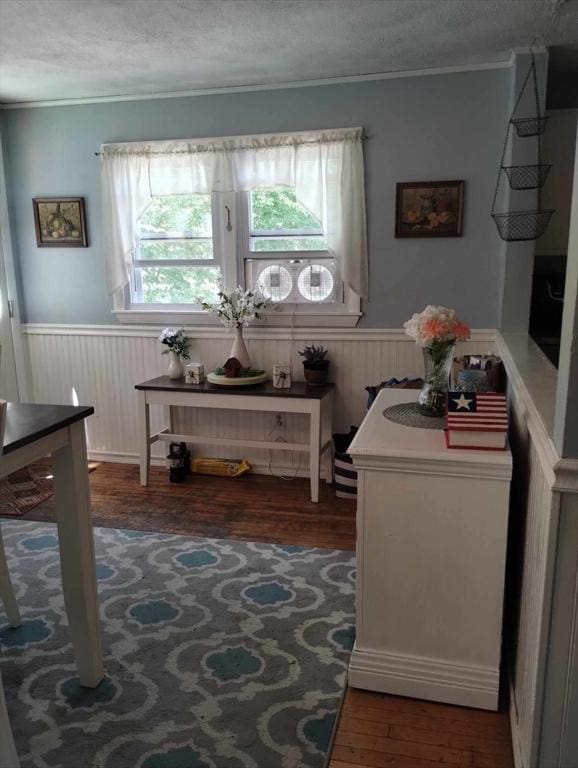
<point>295,281</point>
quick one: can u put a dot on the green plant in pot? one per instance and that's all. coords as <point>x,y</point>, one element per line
<point>315,366</point>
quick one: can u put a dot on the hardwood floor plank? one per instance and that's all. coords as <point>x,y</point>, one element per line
<point>370,759</point>
<point>498,730</point>
<point>421,735</point>
<point>406,748</point>
<point>419,707</point>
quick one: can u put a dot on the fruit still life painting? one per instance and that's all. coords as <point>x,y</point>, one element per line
<point>429,209</point>
<point>60,222</point>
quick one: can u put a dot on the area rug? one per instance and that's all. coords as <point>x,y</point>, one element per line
<point>218,654</point>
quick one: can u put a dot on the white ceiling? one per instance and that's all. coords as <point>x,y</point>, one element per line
<point>63,49</point>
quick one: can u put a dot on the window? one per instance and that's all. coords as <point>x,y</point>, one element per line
<point>175,261</point>
<point>287,257</point>
<point>284,212</point>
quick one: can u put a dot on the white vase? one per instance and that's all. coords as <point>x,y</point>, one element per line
<point>239,350</point>
<point>175,366</point>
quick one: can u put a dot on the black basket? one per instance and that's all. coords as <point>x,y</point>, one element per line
<point>526,176</point>
<point>529,126</point>
<point>522,225</point>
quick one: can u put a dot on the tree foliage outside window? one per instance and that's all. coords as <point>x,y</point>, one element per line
<point>183,224</point>
<point>178,213</point>
<point>277,210</point>
<point>179,285</point>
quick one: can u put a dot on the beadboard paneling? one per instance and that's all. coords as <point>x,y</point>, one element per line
<point>534,519</point>
<point>102,365</point>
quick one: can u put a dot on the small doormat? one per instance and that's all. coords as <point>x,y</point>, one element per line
<point>27,488</point>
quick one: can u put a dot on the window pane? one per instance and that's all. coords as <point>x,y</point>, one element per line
<point>176,285</point>
<point>288,244</point>
<point>175,249</point>
<point>278,209</point>
<point>178,213</point>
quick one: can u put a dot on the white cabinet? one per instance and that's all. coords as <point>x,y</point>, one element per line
<point>431,552</point>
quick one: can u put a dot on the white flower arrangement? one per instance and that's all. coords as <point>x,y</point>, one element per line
<point>238,308</point>
<point>176,341</point>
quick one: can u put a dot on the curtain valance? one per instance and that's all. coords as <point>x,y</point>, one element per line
<point>325,168</point>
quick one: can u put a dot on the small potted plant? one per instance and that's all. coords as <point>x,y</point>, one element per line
<point>315,366</point>
<point>177,348</point>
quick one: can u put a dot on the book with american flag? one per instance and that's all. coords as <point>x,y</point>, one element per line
<point>477,420</point>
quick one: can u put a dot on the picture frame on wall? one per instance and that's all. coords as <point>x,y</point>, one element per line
<point>60,222</point>
<point>429,209</point>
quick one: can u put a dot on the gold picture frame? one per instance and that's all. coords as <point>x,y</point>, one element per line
<point>60,222</point>
<point>429,209</point>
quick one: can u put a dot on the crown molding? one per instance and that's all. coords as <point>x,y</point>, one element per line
<point>368,77</point>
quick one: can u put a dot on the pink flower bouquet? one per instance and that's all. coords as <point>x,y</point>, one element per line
<point>436,324</point>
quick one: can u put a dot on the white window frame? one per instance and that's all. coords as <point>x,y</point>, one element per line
<point>231,248</point>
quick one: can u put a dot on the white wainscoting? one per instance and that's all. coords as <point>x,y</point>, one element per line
<point>542,605</point>
<point>99,365</point>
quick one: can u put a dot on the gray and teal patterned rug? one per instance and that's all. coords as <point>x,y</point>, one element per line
<point>219,654</point>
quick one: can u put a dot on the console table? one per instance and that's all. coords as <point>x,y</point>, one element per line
<point>316,402</point>
<point>431,553</point>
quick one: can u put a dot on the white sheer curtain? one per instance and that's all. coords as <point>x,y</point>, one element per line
<point>324,167</point>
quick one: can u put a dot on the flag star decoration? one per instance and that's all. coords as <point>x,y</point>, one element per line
<point>483,411</point>
<point>463,402</point>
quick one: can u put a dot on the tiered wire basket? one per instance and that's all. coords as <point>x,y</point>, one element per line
<point>531,224</point>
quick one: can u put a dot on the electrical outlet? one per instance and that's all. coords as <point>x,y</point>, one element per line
<point>279,420</point>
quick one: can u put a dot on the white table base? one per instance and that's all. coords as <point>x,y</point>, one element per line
<point>319,411</point>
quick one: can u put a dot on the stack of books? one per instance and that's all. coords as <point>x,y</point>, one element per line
<point>477,420</point>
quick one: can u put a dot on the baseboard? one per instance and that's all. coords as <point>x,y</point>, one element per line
<point>424,678</point>
<point>158,461</point>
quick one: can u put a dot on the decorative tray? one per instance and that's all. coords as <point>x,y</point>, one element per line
<point>244,380</point>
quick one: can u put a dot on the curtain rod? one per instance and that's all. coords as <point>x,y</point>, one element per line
<point>364,137</point>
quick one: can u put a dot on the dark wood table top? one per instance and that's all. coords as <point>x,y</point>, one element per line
<point>299,389</point>
<point>28,422</point>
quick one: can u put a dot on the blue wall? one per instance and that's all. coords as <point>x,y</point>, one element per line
<point>419,128</point>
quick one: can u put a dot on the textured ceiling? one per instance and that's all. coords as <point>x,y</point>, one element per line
<point>63,49</point>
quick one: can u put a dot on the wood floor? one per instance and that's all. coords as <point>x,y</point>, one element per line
<point>375,730</point>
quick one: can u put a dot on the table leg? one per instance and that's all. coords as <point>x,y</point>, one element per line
<point>327,434</point>
<point>314,448</point>
<point>144,425</point>
<point>6,590</point>
<point>73,515</point>
<point>8,756</point>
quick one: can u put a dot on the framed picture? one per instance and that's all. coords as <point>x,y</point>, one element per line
<point>429,209</point>
<point>60,222</point>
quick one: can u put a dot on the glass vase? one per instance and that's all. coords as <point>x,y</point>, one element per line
<point>437,360</point>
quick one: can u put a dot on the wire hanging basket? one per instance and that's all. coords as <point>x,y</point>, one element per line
<point>522,225</point>
<point>515,226</point>
<point>529,126</point>
<point>527,176</point>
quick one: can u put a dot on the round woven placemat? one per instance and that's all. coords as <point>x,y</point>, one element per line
<point>408,415</point>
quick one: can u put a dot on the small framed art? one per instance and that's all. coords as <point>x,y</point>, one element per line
<point>429,209</point>
<point>60,222</point>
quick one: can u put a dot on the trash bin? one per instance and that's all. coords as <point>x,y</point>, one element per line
<point>344,473</point>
